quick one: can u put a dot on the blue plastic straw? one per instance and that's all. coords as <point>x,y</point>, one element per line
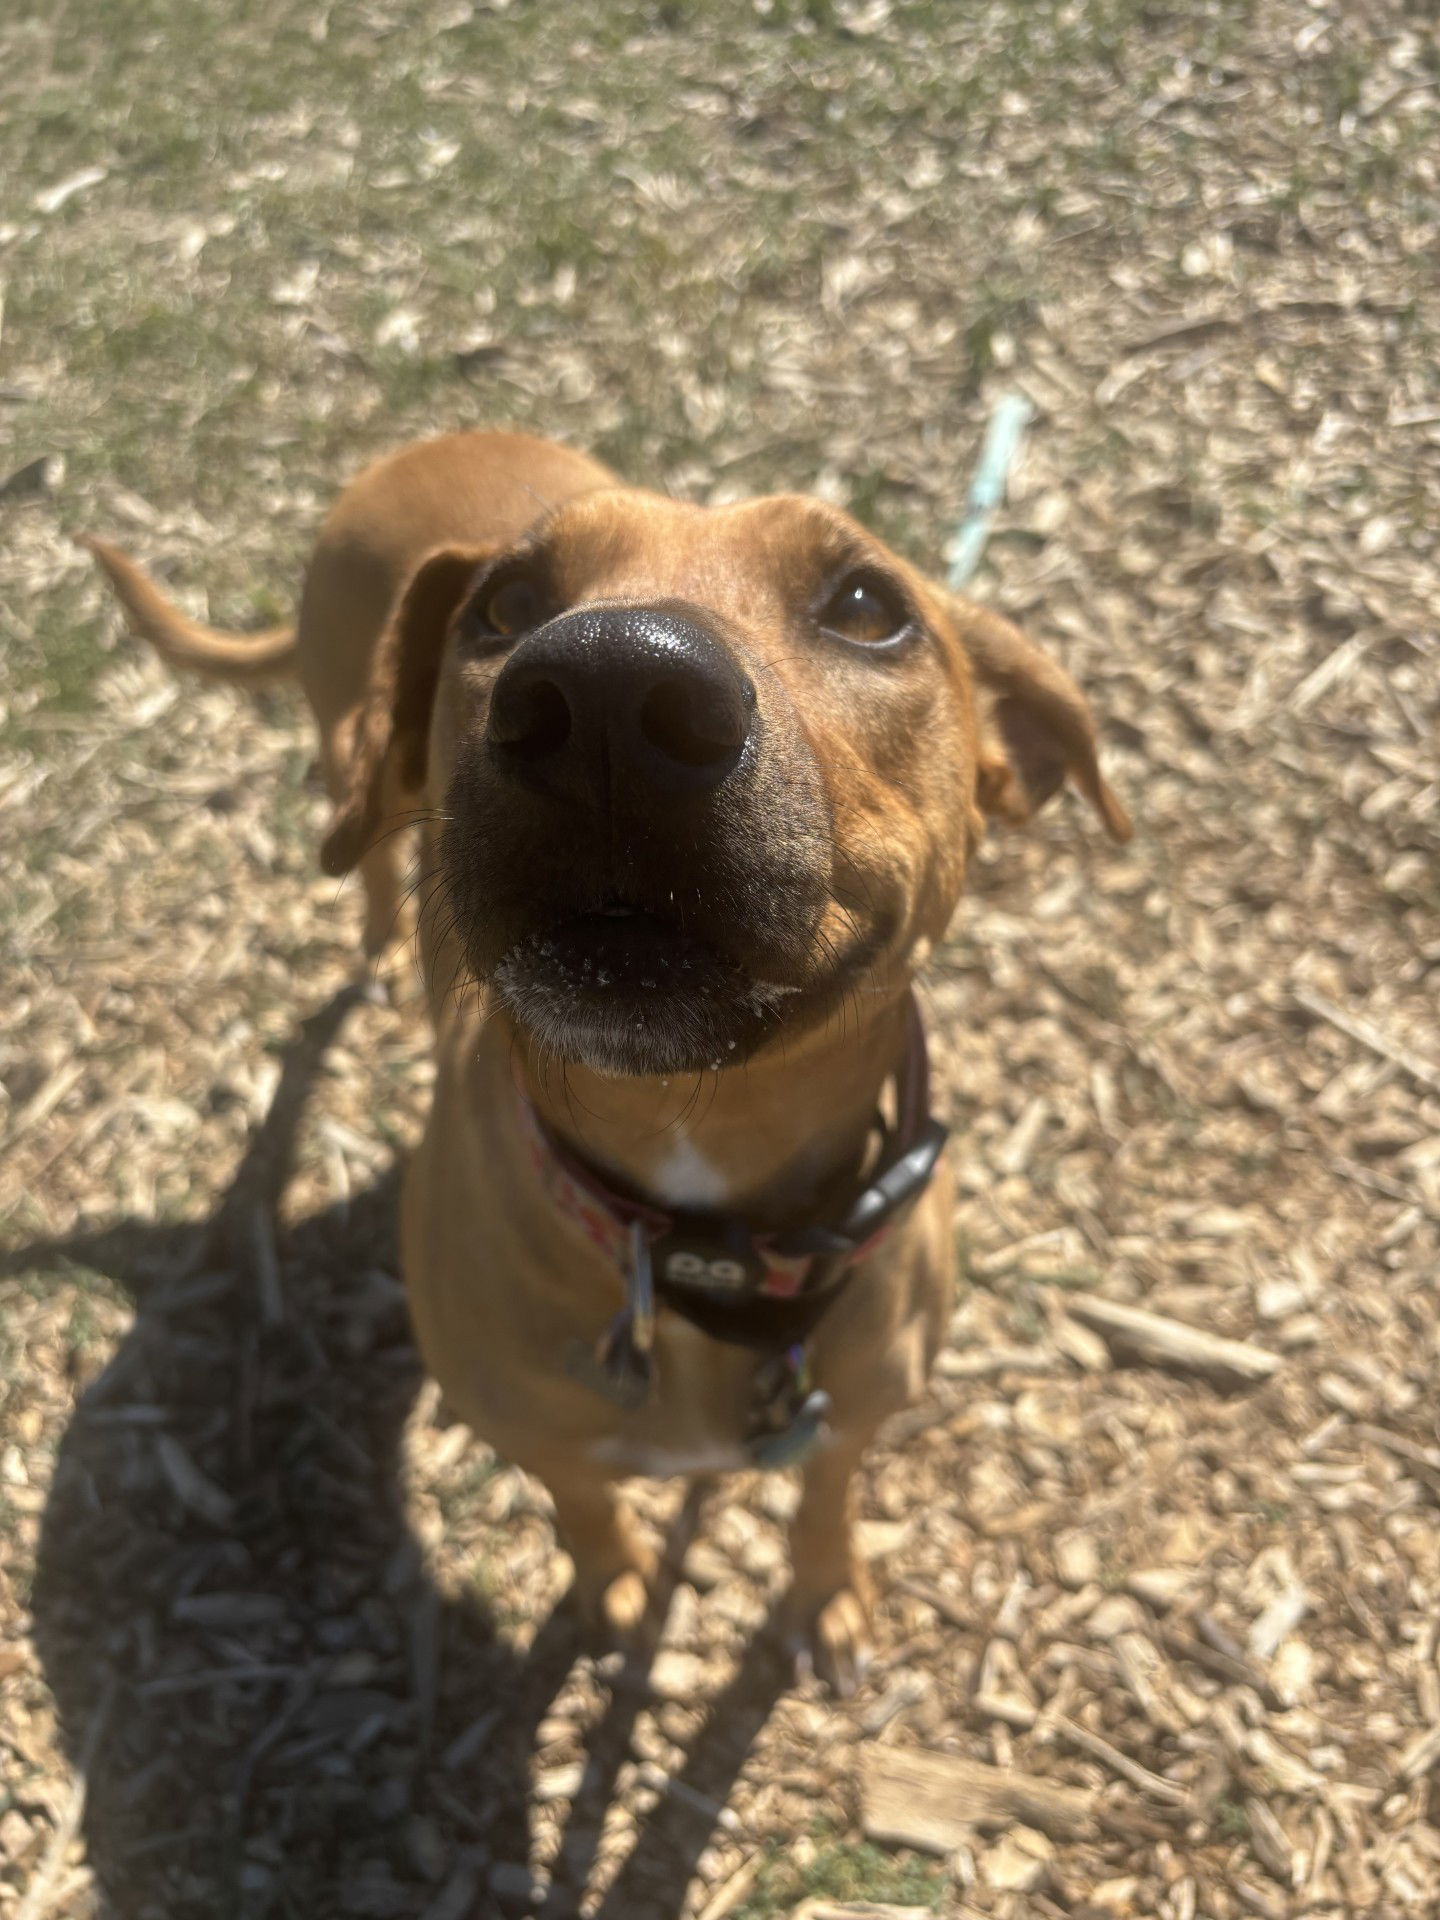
<point>1013,413</point>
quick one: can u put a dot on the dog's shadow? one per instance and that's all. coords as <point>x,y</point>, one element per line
<point>275,1708</point>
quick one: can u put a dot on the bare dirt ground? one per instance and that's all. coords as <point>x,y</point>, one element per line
<point>277,1640</point>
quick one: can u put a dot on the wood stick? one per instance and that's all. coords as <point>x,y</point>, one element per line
<point>934,1800</point>
<point>1155,1784</point>
<point>1231,1668</point>
<point>857,1910</point>
<point>1339,662</point>
<point>731,1891</point>
<point>1368,1035</point>
<point>947,1608</point>
<point>1161,1342</point>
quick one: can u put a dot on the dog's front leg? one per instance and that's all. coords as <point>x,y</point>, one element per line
<point>614,1569</point>
<point>827,1613</point>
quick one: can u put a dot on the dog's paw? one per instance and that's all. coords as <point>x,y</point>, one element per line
<point>625,1606</point>
<point>616,1611</point>
<point>832,1641</point>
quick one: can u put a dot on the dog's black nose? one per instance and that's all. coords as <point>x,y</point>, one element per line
<point>633,695</point>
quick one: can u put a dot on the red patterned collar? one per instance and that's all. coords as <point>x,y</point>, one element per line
<point>764,1290</point>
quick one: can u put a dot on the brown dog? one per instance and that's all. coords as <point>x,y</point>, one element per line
<point>698,789</point>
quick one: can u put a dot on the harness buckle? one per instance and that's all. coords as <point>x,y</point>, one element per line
<point>876,1205</point>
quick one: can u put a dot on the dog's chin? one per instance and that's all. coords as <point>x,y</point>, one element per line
<point>629,994</point>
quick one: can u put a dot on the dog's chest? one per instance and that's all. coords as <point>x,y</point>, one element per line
<point>695,1423</point>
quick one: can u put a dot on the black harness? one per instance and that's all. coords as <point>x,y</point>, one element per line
<point>766,1291</point>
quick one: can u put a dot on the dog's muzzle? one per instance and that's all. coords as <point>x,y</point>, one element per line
<point>637,847</point>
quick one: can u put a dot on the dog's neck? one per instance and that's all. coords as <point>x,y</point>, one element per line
<point>769,1139</point>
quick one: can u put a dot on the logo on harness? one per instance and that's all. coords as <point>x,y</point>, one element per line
<point>716,1269</point>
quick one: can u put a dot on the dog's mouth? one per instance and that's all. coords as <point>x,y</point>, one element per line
<point>626,990</point>
<point>619,950</point>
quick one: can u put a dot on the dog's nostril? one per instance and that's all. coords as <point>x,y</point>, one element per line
<point>695,724</point>
<point>534,720</point>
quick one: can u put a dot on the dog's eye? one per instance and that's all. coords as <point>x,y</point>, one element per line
<point>512,606</point>
<point>866,611</point>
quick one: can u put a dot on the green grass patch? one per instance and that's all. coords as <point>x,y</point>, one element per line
<point>822,1866</point>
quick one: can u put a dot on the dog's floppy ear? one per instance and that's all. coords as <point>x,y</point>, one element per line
<point>394,717</point>
<point>1035,727</point>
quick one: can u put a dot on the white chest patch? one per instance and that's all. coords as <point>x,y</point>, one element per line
<point>685,1178</point>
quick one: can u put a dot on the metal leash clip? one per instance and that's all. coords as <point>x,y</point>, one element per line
<point>621,1365</point>
<point>789,1422</point>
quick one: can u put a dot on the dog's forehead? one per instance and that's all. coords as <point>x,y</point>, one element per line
<point>751,554</point>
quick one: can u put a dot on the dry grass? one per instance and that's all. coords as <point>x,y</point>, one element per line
<point>291,1628</point>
